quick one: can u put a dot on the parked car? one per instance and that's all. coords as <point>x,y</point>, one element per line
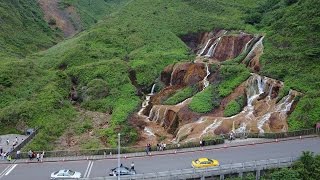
<point>65,174</point>
<point>123,171</point>
<point>204,162</point>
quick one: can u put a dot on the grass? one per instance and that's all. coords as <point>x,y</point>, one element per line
<point>205,100</point>
<point>35,90</point>
<point>292,53</point>
<point>23,29</point>
<point>181,95</point>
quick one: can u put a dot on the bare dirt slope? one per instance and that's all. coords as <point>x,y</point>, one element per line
<point>60,18</point>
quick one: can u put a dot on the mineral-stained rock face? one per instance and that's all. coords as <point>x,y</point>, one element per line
<point>231,46</point>
<point>253,56</point>
<point>262,114</point>
<point>221,46</point>
<point>264,110</point>
<point>183,74</point>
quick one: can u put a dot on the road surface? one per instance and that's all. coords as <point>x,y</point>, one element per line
<point>98,168</point>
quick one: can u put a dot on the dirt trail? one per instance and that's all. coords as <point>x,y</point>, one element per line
<point>57,17</point>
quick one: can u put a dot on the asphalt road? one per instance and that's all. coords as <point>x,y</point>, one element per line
<point>98,168</point>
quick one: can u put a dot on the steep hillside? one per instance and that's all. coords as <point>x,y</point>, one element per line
<point>23,30</point>
<point>292,52</point>
<point>129,49</point>
<point>109,67</point>
<point>90,11</point>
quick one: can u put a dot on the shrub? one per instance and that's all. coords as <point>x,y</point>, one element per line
<point>232,108</point>
<point>181,95</point>
<point>205,100</point>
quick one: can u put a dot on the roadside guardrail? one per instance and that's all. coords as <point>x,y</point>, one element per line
<point>234,168</point>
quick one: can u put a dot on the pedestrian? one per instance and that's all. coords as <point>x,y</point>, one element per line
<point>200,143</point>
<point>147,150</point>
<point>164,146</point>
<point>18,154</point>
<point>8,142</point>
<point>16,139</point>
<point>41,156</point>
<point>38,157</point>
<point>121,165</point>
<point>203,143</point>
<point>9,157</point>
<point>30,154</point>
<point>132,165</point>
<point>149,146</point>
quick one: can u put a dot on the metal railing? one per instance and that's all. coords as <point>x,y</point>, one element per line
<point>126,150</point>
<point>279,135</point>
<point>24,142</point>
<point>208,142</point>
<point>233,168</point>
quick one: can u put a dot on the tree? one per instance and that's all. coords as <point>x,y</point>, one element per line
<point>285,173</point>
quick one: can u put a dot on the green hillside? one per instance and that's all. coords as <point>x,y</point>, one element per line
<point>292,52</point>
<point>144,37</point>
<point>90,11</point>
<point>23,29</point>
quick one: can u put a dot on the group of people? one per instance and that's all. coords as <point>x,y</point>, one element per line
<point>4,155</point>
<point>202,143</point>
<point>161,146</point>
<point>39,156</point>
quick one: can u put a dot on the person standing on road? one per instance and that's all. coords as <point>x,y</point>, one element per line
<point>41,156</point>
<point>38,157</point>
<point>18,154</point>
<point>132,166</point>
<point>8,142</point>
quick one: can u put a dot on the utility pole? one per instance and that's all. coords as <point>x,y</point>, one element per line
<point>119,156</point>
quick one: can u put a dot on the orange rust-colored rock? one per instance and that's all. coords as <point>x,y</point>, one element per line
<point>231,46</point>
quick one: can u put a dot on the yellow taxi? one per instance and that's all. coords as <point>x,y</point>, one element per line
<point>204,163</point>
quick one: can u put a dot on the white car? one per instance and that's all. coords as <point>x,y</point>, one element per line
<point>65,174</point>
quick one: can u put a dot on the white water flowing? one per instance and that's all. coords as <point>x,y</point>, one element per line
<point>205,80</point>
<point>211,127</point>
<point>247,45</point>
<point>148,132</point>
<point>205,47</point>
<point>212,49</point>
<point>256,45</point>
<point>152,89</point>
<point>145,103</point>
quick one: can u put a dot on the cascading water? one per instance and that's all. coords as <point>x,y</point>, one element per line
<point>256,45</point>
<point>205,47</point>
<point>256,116</point>
<point>145,103</point>
<point>247,45</point>
<point>212,49</point>
<point>205,80</point>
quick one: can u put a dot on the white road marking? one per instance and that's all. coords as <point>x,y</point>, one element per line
<point>12,167</point>
<point>7,170</point>
<point>88,174</point>
<point>88,170</point>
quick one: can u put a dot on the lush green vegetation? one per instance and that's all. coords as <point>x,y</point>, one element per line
<point>205,100</point>
<point>91,11</point>
<point>232,108</point>
<point>292,51</point>
<point>143,36</point>
<point>306,168</point>
<point>181,95</point>
<point>23,29</point>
